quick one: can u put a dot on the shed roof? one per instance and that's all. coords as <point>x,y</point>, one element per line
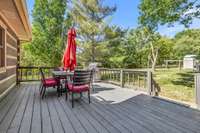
<point>190,56</point>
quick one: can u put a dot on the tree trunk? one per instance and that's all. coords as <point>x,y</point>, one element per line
<point>154,56</point>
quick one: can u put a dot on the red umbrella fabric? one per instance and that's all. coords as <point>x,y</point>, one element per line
<point>69,58</point>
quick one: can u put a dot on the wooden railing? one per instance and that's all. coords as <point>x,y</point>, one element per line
<point>138,79</point>
<point>27,74</point>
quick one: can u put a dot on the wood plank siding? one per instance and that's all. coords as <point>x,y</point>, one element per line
<point>8,77</point>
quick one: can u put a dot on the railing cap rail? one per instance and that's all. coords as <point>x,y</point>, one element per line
<point>34,67</point>
<point>130,70</point>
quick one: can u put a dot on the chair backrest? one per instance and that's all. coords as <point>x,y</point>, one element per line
<point>82,77</point>
<point>42,75</point>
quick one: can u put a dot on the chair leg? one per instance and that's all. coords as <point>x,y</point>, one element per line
<point>40,87</point>
<point>72,100</point>
<point>41,90</point>
<point>58,90</point>
<point>66,95</point>
<point>44,90</point>
<point>89,96</point>
<point>81,95</point>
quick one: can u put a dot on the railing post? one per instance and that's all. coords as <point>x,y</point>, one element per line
<point>17,75</point>
<point>122,78</point>
<point>149,82</point>
<point>197,89</point>
<point>18,62</point>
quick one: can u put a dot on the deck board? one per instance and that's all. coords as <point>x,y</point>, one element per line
<point>22,111</point>
<point>36,118</point>
<point>8,117</point>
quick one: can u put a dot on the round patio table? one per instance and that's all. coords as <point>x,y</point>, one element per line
<point>59,75</point>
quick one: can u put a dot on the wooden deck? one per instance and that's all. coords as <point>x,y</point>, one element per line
<point>112,110</point>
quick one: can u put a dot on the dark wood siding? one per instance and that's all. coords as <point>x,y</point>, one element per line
<point>5,85</point>
<point>11,41</point>
<point>11,62</point>
<point>11,51</point>
<point>9,72</point>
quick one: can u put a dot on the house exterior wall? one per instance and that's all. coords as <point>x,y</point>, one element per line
<point>8,73</point>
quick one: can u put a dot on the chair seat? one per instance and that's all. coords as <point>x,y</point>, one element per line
<point>77,89</point>
<point>50,82</point>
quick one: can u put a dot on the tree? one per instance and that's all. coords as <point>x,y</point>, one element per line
<point>187,42</point>
<point>90,18</point>
<point>159,12</point>
<point>148,40</point>
<point>48,28</point>
<point>115,47</point>
<point>135,52</point>
<point>145,48</point>
<point>166,50</point>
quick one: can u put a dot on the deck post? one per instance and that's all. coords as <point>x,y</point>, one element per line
<point>18,62</point>
<point>197,90</point>
<point>122,78</point>
<point>149,82</point>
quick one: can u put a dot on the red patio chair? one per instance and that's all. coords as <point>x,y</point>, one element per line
<point>46,83</point>
<point>80,83</point>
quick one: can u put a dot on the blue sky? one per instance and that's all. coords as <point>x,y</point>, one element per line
<point>127,14</point>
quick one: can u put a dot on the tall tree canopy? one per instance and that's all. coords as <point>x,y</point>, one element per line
<point>48,34</point>
<point>187,42</point>
<point>90,18</point>
<point>158,12</point>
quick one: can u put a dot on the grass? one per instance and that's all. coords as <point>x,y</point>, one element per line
<point>176,84</point>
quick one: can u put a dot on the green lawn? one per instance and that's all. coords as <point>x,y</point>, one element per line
<point>176,84</point>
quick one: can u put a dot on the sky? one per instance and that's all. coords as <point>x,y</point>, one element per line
<point>127,15</point>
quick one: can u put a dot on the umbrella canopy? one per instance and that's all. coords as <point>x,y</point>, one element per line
<point>69,57</point>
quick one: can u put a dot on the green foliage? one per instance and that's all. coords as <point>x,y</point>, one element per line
<point>166,50</point>
<point>158,12</point>
<point>114,56</point>
<point>48,28</point>
<point>143,47</point>
<point>90,18</point>
<point>187,42</point>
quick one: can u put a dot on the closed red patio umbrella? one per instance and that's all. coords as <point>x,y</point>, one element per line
<point>69,57</point>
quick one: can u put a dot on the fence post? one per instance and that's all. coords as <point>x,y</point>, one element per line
<point>149,82</point>
<point>179,64</point>
<point>122,78</point>
<point>197,90</point>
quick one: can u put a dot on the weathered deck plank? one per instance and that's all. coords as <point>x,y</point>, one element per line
<point>67,125</point>
<point>36,118</point>
<point>15,124</point>
<point>27,117</point>
<point>8,117</point>
<point>23,111</point>
<point>173,119</point>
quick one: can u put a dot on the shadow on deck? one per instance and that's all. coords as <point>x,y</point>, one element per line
<point>112,110</point>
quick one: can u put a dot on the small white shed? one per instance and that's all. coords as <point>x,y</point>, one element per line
<point>189,62</point>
